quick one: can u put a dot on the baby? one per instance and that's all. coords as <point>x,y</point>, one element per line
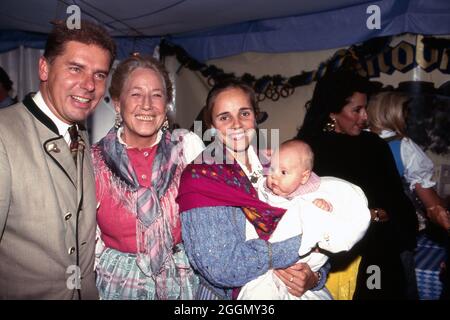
<point>290,169</point>
<point>332,226</point>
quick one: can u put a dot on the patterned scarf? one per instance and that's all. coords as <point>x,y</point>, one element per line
<point>209,184</point>
<point>154,238</point>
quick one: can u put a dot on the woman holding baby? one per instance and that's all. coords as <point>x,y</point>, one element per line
<point>218,202</point>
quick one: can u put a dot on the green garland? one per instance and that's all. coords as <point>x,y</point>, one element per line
<point>271,87</point>
<point>429,121</point>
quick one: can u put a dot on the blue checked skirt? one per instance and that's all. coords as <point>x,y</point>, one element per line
<point>120,278</point>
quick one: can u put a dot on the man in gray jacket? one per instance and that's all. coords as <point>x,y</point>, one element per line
<point>47,187</point>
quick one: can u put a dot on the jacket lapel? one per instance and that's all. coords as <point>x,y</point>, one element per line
<point>54,144</point>
<point>83,158</point>
<point>59,152</point>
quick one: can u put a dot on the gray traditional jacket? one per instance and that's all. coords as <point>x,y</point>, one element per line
<point>47,209</point>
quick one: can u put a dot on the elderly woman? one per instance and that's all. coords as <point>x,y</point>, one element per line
<point>219,203</point>
<point>138,165</point>
<point>333,127</point>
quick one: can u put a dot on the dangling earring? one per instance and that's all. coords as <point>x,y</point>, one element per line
<point>330,126</point>
<point>118,120</point>
<point>165,125</point>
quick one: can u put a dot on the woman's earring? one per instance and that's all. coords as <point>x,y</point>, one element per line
<point>118,120</point>
<point>165,125</point>
<point>330,126</point>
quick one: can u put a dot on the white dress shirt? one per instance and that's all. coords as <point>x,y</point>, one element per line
<point>63,128</point>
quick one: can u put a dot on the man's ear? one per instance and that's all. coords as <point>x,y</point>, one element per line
<point>305,176</point>
<point>43,68</point>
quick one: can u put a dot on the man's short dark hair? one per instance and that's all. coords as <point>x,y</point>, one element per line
<point>88,33</point>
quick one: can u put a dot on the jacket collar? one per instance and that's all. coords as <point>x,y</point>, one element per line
<point>41,116</point>
<point>38,114</point>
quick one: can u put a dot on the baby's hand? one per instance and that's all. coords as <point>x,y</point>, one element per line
<point>324,205</point>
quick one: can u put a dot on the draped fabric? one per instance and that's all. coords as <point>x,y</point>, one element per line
<point>225,184</point>
<point>21,65</point>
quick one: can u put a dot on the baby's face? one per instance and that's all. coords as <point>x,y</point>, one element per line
<point>286,173</point>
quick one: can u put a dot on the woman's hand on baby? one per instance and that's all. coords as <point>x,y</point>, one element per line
<point>298,278</point>
<point>322,204</point>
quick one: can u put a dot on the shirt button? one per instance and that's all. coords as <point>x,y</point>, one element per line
<point>71,250</point>
<point>144,176</point>
<point>67,216</point>
<point>145,154</point>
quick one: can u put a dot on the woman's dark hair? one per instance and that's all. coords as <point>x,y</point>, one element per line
<point>223,86</point>
<point>330,95</point>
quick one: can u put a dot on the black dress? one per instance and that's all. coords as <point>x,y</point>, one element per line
<point>366,161</point>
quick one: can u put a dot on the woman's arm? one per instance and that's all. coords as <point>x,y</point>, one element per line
<point>214,239</point>
<point>419,172</point>
<point>436,211</point>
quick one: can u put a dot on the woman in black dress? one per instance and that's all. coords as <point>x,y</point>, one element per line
<point>333,127</point>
